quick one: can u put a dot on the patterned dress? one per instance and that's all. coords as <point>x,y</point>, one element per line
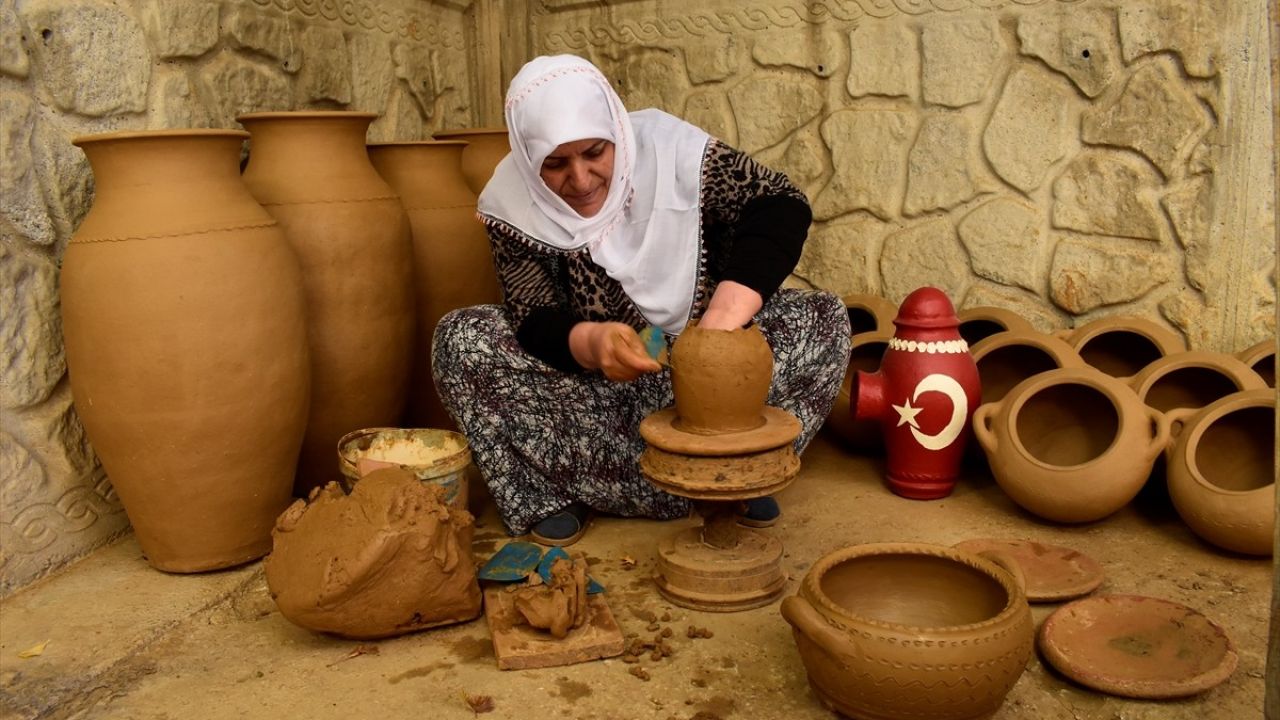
<point>544,437</point>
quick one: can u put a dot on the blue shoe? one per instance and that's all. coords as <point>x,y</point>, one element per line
<point>759,512</point>
<point>563,528</point>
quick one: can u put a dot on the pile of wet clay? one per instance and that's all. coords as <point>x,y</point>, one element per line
<point>388,559</point>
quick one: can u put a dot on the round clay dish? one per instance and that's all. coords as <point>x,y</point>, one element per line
<point>1053,573</point>
<point>1139,647</point>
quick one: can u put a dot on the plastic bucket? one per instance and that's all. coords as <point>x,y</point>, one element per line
<point>440,457</point>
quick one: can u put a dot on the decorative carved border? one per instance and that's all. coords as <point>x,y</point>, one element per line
<point>373,15</point>
<point>38,526</point>
<point>703,22</point>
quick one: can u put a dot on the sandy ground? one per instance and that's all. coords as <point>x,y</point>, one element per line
<point>125,641</point>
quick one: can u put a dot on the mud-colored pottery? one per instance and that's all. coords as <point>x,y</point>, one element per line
<point>1193,379</point>
<point>869,313</point>
<point>485,149</point>
<point>1221,470</point>
<point>1262,358</point>
<point>1071,445</point>
<point>184,323</point>
<point>1122,345</point>
<point>1138,647</point>
<point>311,171</point>
<point>907,630</point>
<point>453,266</point>
<point>923,396</point>
<point>1007,358</point>
<point>720,379</point>
<point>866,350</point>
<point>1053,573</point>
<point>981,322</point>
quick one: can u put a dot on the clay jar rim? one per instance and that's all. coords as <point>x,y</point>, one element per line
<point>1053,347</point>
<point>457,132</point>
<point>1198,421</point>
<point>92,138</point>
<point>307,115</point>
<point>416,143</point>
<point>1112,388</point>
<point>812,583</point>
<point>1228,366</point>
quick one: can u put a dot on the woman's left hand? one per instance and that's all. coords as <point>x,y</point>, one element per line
<point>732,306</point>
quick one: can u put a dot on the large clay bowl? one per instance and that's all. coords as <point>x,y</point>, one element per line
<point>981,322</point>
<point>869,313</point>
<point>1121,346</point>
<point>865,353</point>
<point>1007,358</point>
<point>1193,379</point>
<point>907,630</point>
<point>1221,470</point>
<point>1071,445</point>
<point>1262,358</point>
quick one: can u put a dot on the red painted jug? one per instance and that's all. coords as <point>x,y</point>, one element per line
<point>923,396</point>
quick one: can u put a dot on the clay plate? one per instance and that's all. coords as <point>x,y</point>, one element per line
<point>1134,646</point>
<point>1053,572</point>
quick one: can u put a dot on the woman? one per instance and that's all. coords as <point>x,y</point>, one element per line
<point>604,223</point>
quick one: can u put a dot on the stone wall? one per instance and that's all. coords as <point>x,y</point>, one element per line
<point>72,67</point>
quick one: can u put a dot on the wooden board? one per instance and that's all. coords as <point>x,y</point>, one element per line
<point>522,647</point>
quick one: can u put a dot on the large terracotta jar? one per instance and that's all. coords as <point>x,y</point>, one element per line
<point>453,266</point>
<point>1122,345</point>
<point>1221,470</point>
<point>909,631</point>
<point>1071,445</point>
<point>485,149</point>
<point>1193,379</point>
<point>311,171</point>
<point>183,316</point>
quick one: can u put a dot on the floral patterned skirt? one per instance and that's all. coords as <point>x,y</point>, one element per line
<point>543,438</point>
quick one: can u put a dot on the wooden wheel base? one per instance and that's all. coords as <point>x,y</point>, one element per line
<point>696,575</point>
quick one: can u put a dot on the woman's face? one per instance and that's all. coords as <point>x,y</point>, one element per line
<point>579,172</point>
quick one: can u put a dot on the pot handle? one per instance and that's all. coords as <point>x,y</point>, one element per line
<point>982,426</point>
<point>1177,419</point>
<point>1161,427</point>
<point>797,611</point>
<point>1011,566</point>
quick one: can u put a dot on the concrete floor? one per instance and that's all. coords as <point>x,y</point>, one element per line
<point>125,641</point>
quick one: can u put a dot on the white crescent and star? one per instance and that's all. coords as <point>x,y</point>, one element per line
<point>948,386</point>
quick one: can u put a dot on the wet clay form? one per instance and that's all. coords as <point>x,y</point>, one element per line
<point>1071,445</point>
<point>1134,646</point>
<point>981,322</point>
<point>718,458</point>
<point>1121,346</point>
<point>1262,358</point>
<point>923,396</point>
<point>452,263</point>
<point>184,322</point>
<point>1193,379</point>
<point>1053,573</point>
<point>869,313</point>
<point>1007,358</point>
<point>546,624</point>
<point>311,171</point>
<point>388,559</point>
<point>485,149</point>
<point>437,457</point>
<point>865,353</point>
<point>891,631</point>
<point>1221,470</point>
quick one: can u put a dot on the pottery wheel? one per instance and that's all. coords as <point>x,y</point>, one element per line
<point>1053,572</point>
<point>720,566</point>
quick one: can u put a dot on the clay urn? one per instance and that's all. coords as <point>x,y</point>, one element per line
<point>865,352</point>
<point>311,171</point>
<point>1193,379</point>
<point>1221,470</point>
<point>982,321</point>
<point>890,631</point>
<point>869,313</point>
<point>183,318</point>
<point>721,379</point>
<point>1122,345</point>
<point>1071,445</point>
<point>390,558</point>
<point>923,396</point>
<point>1262,358</point>
<point>452,262</point>
<point>1005,359</point>
<point>486,147</point>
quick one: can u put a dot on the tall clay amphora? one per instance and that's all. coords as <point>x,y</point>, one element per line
<point>485,149</point>
<point>184,322</point>
<point>453,266</point>
<point>312,172</point>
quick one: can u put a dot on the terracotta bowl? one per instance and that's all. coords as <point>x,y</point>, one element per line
<point>981,322</point>
<point>907,630</point>
<point>869,313</point>
<point>1193,379</point>
<point>1262,358</point>
<point>1121,346</point>
<point>1007,358</point>
<point>1221,470</point>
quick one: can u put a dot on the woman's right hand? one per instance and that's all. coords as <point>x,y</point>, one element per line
<point>613,348</point>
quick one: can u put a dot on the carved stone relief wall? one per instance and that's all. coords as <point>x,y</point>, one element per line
<point>72,67</point>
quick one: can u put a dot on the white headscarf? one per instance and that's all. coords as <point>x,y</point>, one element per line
<point>646,235</point>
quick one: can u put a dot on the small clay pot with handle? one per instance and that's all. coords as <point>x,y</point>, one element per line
<point>1221,470</point>
<point>1262,358</point>
<point>982,321</point>
<point>1193,379</point>
<point>1071,445</point>
<point>1007,358</point>
<point>869,313</point>
<point>1121,345</point>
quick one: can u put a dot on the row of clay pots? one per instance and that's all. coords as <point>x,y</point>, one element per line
<point>223,332</point>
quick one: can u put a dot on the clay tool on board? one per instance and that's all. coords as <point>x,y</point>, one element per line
<point>513,561</point>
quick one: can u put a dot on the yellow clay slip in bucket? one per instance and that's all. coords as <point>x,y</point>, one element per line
<point>436,456</point>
